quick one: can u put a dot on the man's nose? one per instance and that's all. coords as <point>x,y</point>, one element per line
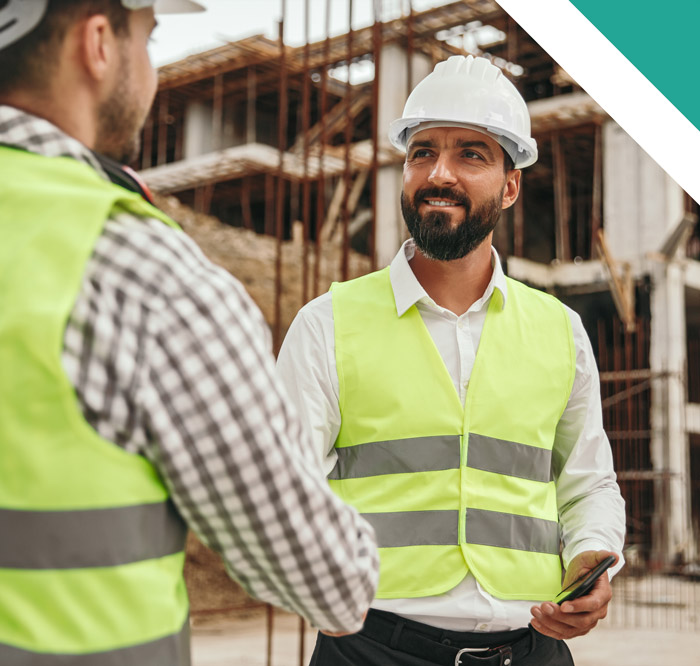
<point>442,173</point>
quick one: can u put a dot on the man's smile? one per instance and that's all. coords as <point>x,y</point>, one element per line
<point>440,202</point>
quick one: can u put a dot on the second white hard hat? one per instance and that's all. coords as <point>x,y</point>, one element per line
<point>469,92</point>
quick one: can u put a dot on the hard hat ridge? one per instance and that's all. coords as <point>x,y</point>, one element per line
<point>464,91</point>
<point>478,68</point>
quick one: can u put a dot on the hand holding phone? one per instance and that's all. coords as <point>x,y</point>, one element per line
<point>581,586</point>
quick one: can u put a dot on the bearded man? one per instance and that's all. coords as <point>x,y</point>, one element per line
<point>459,410</point>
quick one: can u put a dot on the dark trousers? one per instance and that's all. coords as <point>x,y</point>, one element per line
<point>389,640</point>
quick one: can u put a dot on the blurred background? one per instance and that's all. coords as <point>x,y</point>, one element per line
<point>267,142</point>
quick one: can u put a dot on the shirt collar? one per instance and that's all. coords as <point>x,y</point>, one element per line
<point>408,291</point>
<point>19,129</point>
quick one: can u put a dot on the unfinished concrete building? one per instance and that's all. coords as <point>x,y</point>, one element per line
<point>274,140</point>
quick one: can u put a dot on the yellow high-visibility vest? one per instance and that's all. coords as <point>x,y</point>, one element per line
<point>452,488</point>
<point>91,546</point>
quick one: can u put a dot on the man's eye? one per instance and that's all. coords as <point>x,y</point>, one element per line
<point>421,153</point>
<point>470,154</point>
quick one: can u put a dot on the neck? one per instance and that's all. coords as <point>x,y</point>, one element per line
<point>68,106</point>
<point>455,285</point>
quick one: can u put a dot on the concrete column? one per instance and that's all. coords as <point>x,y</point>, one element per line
<point>393,83</point>
<point>641,203</point>
<point>390,230</point>
<point>672,528</point>
<point>197,131</point>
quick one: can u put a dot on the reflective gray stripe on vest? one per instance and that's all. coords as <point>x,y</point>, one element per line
<point>417,454</point>
<point>428,454</point>
<point>510,458</point>
<point>506,530</point>
<point>415,528</point>
<point>172,650</point>
<point>488,528</point>
<point>89,538</point>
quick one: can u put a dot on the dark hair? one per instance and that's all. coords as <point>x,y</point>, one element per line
<point>29,62</point>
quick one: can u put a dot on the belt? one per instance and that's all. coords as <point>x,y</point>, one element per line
<point>448,648</point>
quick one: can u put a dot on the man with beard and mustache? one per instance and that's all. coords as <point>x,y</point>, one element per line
<point>137,392</point>
<point>459,410</point>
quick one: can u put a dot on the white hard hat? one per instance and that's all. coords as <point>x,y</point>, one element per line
<point>19,17</point>
<point>469,92</point>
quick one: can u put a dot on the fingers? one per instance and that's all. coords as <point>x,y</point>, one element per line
<point>551,620</point>
<point>559,632</point>
<point>546,621</point>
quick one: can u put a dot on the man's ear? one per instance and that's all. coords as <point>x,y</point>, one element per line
<point>98,46</point>
<point>511,189</point>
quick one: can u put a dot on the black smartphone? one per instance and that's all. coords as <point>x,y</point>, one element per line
<point>582,585</point>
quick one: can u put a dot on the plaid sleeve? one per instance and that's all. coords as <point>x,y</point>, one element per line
<point>187,354</point>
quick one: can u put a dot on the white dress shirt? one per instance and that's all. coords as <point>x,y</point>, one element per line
<point>591,509</point>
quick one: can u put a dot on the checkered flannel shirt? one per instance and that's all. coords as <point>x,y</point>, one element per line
<point>171,359</point>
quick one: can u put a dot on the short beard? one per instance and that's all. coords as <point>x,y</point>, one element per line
<point>433,233</point>
<point>119,123</point>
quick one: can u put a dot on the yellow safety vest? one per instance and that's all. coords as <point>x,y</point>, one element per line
<point>452,488</point>
<point>91,547</point>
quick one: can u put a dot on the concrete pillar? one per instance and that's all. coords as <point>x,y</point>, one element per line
<point>390,230</point>
<point>393,83</point>
<point>198,138</point>
<point>672,526</point>
<point>641,203</point>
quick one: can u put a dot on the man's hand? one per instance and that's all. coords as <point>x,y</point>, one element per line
<point>340,634</point>
<point>577,617</point>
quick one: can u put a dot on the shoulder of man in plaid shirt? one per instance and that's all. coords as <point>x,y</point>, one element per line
<point>171,359</point>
